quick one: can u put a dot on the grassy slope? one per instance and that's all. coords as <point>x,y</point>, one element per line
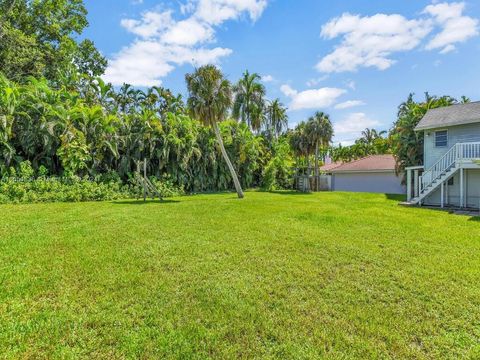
<point>272,276</point>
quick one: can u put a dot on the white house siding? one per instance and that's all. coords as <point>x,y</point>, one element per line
<point>456,134</point>
<point>452,193</point>
<point>385,182</point>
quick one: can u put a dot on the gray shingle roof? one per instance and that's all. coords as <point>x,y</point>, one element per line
<point>459,114</point>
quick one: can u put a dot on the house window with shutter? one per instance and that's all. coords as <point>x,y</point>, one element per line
<point>441,138</point>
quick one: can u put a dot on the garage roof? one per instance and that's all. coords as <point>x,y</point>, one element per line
<point>369,163</point>
<point>330,167</point>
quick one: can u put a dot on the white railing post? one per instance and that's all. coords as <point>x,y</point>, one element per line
<point>415,183</point>
<point>409,184</point>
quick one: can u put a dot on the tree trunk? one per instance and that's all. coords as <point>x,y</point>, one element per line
<point>316,167</point>
<point>238,187</point>
<point>308,172</point>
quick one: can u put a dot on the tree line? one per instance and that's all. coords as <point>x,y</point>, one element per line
<point>58,114</point>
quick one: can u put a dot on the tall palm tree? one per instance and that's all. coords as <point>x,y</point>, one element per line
<point>210,97</point>
<point>319,130</point>
<point>277,117</point>
<point>249,104</point>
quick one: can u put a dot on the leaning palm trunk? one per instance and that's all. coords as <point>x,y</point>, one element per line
<point>316,167</point>
<point>238,187</point>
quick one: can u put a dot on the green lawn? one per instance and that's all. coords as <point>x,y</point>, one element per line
<point>277,275</point>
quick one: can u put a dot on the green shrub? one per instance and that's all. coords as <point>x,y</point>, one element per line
<point>42,189</point>
<point>166,187</point>
<point>278,173</point>
<point>74,189</point>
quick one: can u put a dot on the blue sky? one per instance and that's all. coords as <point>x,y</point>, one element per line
<point>356,60</point>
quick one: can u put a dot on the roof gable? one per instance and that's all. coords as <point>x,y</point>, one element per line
<point>459,114</point>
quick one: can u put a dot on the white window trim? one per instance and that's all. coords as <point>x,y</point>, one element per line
<point>435,138</point>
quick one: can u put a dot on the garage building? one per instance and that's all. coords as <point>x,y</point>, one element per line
<point>375,174</point>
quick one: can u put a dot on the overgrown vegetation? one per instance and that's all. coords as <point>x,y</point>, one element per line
<point>29,186</point>
<point>57,114</point>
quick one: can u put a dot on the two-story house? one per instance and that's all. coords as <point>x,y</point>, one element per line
<point>450,175</point>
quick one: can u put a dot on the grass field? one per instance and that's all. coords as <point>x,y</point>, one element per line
<point>276,275</point>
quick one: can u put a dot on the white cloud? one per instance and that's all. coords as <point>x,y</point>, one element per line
<point>267,78</point>
<point>152,24</point>
<point>351,84</point>
<point>371,41</point>
<point>288,91</point>
<point>349,104</point>
<point>188,32</point>
<point>315,81</point>
<point>216,12</point>
<point>164,42</point>
<point>455,26</point>
<point>350,128</point>
<point>144,63</point>
<point>311,99</point>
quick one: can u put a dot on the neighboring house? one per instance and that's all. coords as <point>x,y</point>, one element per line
<point>375,173</point>
<point>450,175</point>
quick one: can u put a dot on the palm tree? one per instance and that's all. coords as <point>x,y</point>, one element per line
<point>210,97</point>
<point>407,144</point>
<point>370,135</point>
<point>319,130</point>
<point>277,117</point>
<point>249,104</point>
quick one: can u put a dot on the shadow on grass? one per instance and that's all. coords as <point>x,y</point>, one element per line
<point>288,192</point>
<point>475,218</point>
<point>396,197</point>
<point>141,202</point>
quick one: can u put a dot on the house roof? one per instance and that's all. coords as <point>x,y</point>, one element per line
<point>330,167</point>
<point>458,114</point>
<point>369,163</point>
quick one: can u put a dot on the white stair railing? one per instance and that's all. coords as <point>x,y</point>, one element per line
<point>441,166</point>
<point>460,151</point>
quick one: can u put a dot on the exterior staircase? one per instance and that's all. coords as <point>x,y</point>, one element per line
<point>445,168</point>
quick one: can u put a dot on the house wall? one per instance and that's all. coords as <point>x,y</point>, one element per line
<point>374,182</point>
<point>456,134</point>
<point>472,191</point>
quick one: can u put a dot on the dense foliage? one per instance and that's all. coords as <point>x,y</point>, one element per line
<point>38,38</point>
<point>26,185</point>
<point>312,138</point>
<point>372,142</point>
<point>101,130</point>
<point>407,145</point>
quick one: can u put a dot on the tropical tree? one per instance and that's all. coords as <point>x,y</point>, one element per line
<point>39,38</point>
<point>9,94</point>
<point>249,104</point>
<point>277,117</point>
<point>210,98</point>
<point>370,135</point>
<point>407,144</point>
<point>319,131</point>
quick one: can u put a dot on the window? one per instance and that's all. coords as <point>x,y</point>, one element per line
<point>441,138</point>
